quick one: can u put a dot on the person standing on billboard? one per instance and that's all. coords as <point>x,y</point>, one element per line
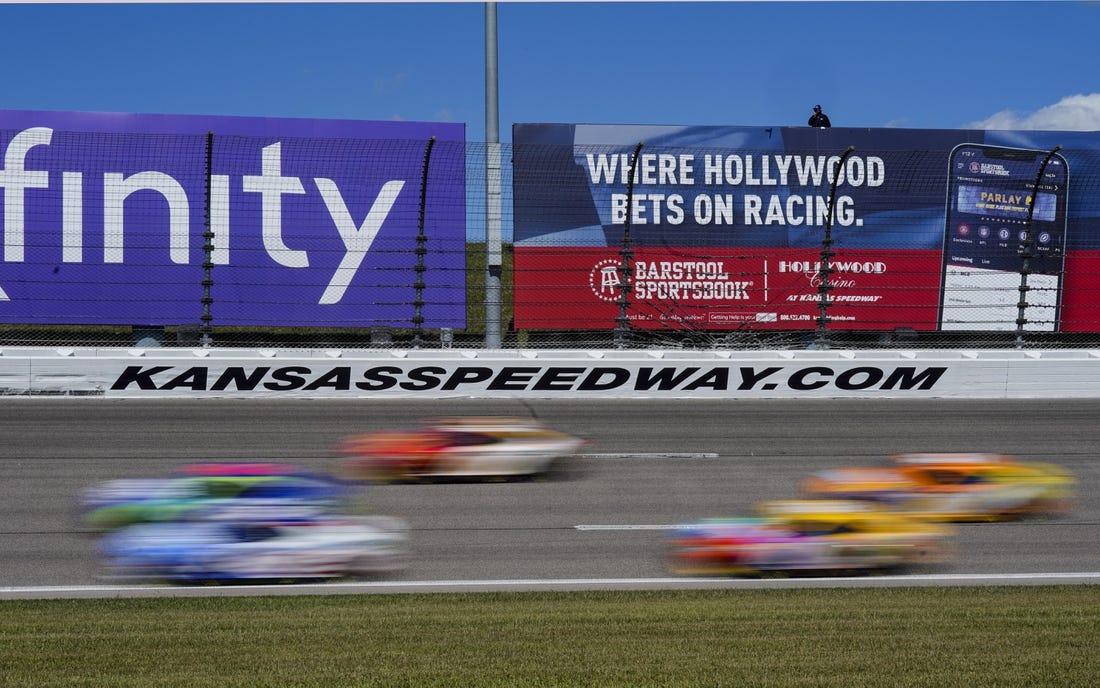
<point>819,119</point>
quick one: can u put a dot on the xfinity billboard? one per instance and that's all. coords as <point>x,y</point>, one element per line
<point>310,222</point>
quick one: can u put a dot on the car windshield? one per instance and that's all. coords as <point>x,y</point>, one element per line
<point>953,477</point>
<point>218,488</point>
<point>820,528</point>
<point>468,439</point>
<point>251,532</point>
<point>284,490</point>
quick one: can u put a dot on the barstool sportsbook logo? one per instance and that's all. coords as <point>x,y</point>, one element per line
<point>606,281</point>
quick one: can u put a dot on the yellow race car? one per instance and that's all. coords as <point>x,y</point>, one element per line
<point>806,537</point>
<point>953,486</point>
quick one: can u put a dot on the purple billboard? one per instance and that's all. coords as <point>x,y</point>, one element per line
<point>134,219</point>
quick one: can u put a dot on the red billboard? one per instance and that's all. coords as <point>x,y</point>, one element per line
<point>723,228</point>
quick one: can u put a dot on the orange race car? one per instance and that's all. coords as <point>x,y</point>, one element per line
<point>459,448</point>
<point>953,486</point>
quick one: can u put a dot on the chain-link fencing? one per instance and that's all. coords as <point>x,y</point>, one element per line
<point>245,241</point>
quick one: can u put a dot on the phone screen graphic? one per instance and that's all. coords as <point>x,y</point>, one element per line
<point>989,196</point>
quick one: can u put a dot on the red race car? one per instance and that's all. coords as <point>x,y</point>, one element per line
<point>482,448</point>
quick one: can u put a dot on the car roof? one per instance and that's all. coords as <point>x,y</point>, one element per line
<point>951,458</point>
<point>816,508</point>
<point>484,423</point>
<point>238,469</point>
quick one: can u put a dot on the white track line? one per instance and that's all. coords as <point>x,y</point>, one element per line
<point>651,455</point>
<point>628,527</point>
<point>532,584</point>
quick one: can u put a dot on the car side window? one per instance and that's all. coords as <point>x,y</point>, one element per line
<point>470,439</point>
<point>947,477</point>
<point>269,491</point>
<point>253,533</point>
<point>221,489</point>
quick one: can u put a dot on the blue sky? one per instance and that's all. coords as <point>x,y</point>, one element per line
<point>870,64</point>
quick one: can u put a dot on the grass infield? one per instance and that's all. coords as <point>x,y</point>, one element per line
<point>962,636</point>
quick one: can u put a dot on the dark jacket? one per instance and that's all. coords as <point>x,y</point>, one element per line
<point>819,119</point>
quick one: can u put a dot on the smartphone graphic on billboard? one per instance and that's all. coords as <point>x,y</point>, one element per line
<point>989,194</point>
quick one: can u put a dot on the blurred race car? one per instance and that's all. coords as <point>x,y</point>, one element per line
<point>211,491</point>
<point>800,537</point>
<point>207,551</point>
<point>953,486</point>
<point>453,448</point>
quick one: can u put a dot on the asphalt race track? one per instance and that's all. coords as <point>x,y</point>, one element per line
<point>650,464</point>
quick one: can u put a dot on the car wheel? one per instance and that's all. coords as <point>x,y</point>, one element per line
<point>378,563</point>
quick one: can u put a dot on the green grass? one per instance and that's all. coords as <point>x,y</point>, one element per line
<point>475,287</point>
<point>973,636</point>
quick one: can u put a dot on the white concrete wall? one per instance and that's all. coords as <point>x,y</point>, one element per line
<point>328,373</point>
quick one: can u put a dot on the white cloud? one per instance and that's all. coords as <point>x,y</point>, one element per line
<point>390,83</point>
<point>1072,113</point>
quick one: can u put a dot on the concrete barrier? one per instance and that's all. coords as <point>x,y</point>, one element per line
<point>434,373</point>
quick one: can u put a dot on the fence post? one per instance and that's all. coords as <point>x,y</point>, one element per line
<point>825,269</point>
<point>421,250</point>
<point>1025,252</point>
<point>494,258</point>
<point>207,250</point>
<point>622,328</point>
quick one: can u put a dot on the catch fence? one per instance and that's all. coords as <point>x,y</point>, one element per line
<point>245,241</point>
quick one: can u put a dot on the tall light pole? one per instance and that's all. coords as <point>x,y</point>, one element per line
<point>494,264</point>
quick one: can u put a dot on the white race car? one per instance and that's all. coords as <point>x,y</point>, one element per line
<point>205,551</point>
<point>459,448</point>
